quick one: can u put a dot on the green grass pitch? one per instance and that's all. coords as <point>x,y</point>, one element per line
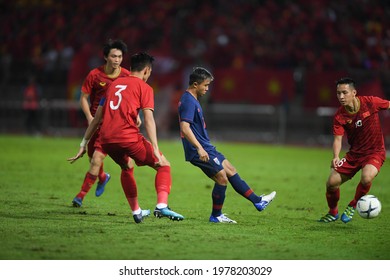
<point>37,221</point>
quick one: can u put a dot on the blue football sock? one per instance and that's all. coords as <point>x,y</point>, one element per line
<point>218,197</point>
<point>243,189</point>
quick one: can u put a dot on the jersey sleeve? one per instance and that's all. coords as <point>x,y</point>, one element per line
<point>338,128</point>
<point>186,111</point>
<point>147,98</point>
<point>87,84</point>
<point>379,103</point>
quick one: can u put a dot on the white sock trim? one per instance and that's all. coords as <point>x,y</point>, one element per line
<point>161,205</point>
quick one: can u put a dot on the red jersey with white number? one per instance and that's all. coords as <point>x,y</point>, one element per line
<point>124,99</point>
<point>363,129</point>
<point>96,84</point>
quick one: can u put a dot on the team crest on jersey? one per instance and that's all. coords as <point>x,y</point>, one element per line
<point>103,84</point>
<point>216,160</point>
<point>359,123</point>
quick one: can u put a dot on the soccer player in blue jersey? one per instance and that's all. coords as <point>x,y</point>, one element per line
<point>200,152</point>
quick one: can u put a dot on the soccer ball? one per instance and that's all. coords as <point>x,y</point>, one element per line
<point>369,206</point>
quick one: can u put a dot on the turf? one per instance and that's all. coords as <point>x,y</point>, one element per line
<point>37,221</point>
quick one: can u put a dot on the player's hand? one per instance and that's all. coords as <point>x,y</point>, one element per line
<point>139,122</point>
<point>80,154</point>
<point>203,155</point>
<point>334,162</point>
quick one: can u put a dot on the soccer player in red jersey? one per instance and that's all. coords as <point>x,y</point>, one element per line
<point>121,139</point>
<point>93,89</point>
<point>358,119</point>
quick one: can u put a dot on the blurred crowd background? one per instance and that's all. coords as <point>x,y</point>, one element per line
<point>295,43</point>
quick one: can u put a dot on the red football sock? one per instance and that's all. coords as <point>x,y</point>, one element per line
<point>89,180</point>
<point>129,187</point>
<point>163,183</point>
<point>361,190</point>
<point>102,174</point>
<point>332,198</point>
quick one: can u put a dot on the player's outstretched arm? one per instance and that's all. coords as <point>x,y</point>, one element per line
<point>84,104</point>
<point>337,144</point>
<point>88,134</point>
<point>79,154</point>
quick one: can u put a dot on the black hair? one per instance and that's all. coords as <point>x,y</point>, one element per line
<point>346,81</point>
<point>200,74</point>
<point>114,44</point>
<point>140,60</point>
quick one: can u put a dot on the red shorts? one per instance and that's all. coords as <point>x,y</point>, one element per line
<point>94,144</point>
<point>351,164</point>
<point>141,151</point>
<point>91,144</point>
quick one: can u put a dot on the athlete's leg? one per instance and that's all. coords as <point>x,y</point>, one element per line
<point>163,182</point>
<point>90,177</point>
<point>368,174</point>
<point>119,154</point>
<point>335,180</point>
<point>143,153</point>
<point>94,144</point>
<point>239,185</point>
<point>129,185</point>
<point>218,194</point>
<point>214,170</point>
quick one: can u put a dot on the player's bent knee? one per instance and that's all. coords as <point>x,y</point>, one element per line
<point>365,180</point>
<point>125,167</point>
<point>130,164</point>
<point>332,188</point>
<point>221,178</point>
<point>332,185</point>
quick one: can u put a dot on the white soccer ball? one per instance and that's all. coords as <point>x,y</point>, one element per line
<point>369,206</point>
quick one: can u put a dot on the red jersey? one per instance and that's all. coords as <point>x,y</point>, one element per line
<point>96,84</point>
<point>363,129</point>
<point>124,98</point>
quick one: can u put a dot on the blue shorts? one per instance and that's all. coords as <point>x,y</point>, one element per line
<point>213,166</point>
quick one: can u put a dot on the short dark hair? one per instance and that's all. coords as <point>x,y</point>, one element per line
<point>140,60</point>
<point>200,74</point>
<point>114,44</point>
<point>346,81</point>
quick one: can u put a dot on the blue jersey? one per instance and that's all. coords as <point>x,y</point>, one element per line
<point>190,111</point>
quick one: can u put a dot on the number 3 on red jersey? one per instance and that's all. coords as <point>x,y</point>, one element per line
<point>117,93</point>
